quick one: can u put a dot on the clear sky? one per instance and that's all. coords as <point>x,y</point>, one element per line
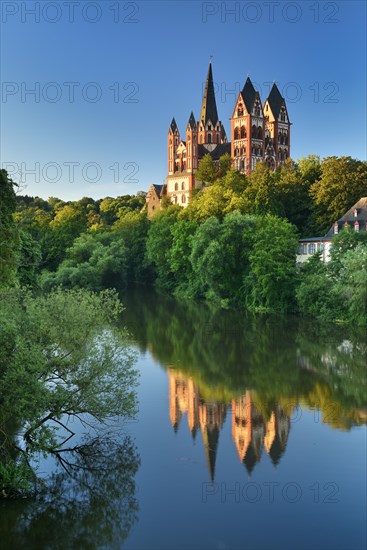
<point>108,76</point>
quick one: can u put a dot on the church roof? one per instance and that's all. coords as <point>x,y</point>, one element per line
<point>248,94</point>
<point>192,121</point>
<point>209,106</point>
<point>210,439</point>
<point>220,150</point>
<point>173,125</point>
<point>159,189</point>
<point>275,100</point>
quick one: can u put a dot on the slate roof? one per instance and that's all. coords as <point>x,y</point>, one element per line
<point>159,189</point>
<point>209,106</point>
<point>173,125</point>
<point>220,150</point>
<point>275,100</point>
<point>248,94</point>
<point>192,121</point>
<point>350,218</point>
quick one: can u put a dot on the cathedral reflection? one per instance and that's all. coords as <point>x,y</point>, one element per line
<point>252,428</point>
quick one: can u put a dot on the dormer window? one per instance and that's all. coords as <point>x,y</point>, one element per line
<point>355,212</point>
<point>209,127</point>
<point>336,228</point>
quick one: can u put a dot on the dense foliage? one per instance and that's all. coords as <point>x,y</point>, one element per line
<point>234,244</point>
<point>61,358</point>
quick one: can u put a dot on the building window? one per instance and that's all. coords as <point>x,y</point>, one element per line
<point>254,132</point>
<point>320,247</point>
<point>209,138</point>
<point>218,139</point>
<point>243,132</point>
<point>336,228</point>
<point>183,199</point>
<point>176,186</point>
<point>183,186</point>
<point>312,248</point>
<point>236,133</point>
<point>356,226</point>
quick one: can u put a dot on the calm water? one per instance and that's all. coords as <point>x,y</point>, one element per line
<point>251,434</point>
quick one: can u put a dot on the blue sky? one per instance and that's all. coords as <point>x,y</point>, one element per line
<point>108,76</point>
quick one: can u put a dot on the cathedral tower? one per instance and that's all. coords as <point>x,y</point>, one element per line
<point>247,129</point>
<point>277,129</point>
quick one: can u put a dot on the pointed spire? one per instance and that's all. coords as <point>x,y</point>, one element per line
<point>275,100</point>
<point>248,94</point>
<point>209,106</point>
<point>210,438</point>
<point>192,121</point>
<point>173,126</point>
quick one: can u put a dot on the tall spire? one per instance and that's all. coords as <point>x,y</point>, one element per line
<point>173,125</point>
<point>275,100</point>
<point>209,106</point>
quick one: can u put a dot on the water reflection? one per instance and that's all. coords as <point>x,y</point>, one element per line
<point>88,503</point>
<point>259,369</point>
<point>252,428</point>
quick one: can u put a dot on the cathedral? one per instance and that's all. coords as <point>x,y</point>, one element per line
<point>259,132</point>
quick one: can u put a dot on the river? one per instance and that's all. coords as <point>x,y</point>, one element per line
<point>251,433</point>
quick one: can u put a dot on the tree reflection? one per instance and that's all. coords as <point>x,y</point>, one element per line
<point>283,359</point>
<point>89,501</point>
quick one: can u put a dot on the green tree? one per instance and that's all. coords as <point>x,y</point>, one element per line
<point>292,192</point>
<point>271,282</point>
<point>8,233</point>
<point>224,196</point>
<point>61,356</point>
<point>261,193</point>
<point>342,183</point>
<point>206,173</point>
<point>159,243</point>
<point>28,260</point>
<point>351,285</point>
<point>179,254</point>
<point>95,261</point>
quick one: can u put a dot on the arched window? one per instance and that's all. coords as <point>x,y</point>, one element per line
<point>176,186</point>
<point>236,133</point>
<point>240,110</point>
<point>243,132</point>
<point>183,186</point>
<point>214,135</point>
<point>218,138</point>
<point>183,199</point>
<point>254,132</point>
<point>259,133</point>
<point>242,164</point>
<point>236,152</point>
<point>209,138</point>
<point>243,151</point>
